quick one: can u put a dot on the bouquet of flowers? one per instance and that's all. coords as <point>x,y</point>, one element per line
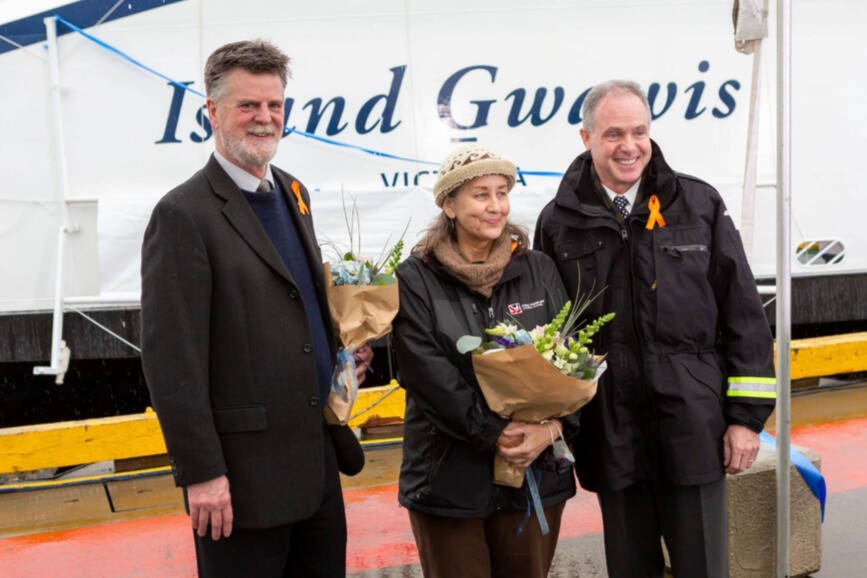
<point>539,374</point>
<point>363,300</point>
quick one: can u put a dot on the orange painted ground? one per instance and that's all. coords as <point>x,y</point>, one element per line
<point>379,534</point>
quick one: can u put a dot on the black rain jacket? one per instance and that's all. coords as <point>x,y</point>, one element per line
<point>450,434</point>
<point>689,351</point>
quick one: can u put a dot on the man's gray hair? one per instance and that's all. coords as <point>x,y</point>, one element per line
<point>601,90</point>
<point>254,56</point>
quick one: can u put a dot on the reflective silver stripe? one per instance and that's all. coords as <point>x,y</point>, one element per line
<point>762,387</point>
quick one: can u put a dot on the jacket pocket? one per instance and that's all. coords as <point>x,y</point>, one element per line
<point>685,302</point>
<point>241,419</point>
<point>702,370</point>
<point>691,417</point>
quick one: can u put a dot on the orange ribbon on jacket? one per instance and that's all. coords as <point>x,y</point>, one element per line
<point>655,217</point>
<point>302,206</point>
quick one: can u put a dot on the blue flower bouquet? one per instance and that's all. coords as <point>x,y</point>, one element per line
<point>536,375</point>
<point>363,301</point>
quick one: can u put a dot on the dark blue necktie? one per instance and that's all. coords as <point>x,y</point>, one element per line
<point>622,204</point>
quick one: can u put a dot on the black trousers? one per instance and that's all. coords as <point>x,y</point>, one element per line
<point>693,521</point>
<point>311,548</point>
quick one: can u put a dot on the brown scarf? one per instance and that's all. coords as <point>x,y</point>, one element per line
<point>479,277</point>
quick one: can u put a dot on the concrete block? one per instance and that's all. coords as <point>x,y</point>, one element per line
<point>752,499</point>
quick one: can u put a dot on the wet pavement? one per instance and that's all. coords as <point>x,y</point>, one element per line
<point>842,446</point>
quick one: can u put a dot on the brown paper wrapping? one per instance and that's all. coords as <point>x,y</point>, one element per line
<point>521,385</point>
<point>359,313</point>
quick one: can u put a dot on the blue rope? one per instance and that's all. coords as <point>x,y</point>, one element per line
<point>123,55</point>
<point>540,174</point>
<point>534,503</point>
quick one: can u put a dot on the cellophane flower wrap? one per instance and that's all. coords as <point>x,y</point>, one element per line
<point>363,301</point>
<point>537,375</point>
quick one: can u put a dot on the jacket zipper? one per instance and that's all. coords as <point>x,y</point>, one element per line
<point>636,324</point>
<point>489,322</point>
<point>624,233</point>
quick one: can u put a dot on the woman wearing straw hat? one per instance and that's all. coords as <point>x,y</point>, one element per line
<point>472,270</point>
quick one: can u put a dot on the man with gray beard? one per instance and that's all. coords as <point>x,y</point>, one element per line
<point>237,345</point>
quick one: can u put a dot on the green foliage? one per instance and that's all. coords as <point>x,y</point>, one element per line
<point>351,268</point>
<point>562,341</point>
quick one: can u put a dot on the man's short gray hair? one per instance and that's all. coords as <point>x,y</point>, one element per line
<point>254,56</point>
<point>601,90</point>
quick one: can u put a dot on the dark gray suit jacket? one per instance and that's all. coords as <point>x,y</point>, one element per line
<point>226,349</point>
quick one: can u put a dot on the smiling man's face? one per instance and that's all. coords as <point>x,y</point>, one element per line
<point>619,140</point>
<point>248,119</point>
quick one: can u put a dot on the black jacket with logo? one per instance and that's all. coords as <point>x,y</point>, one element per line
<point>449,433</point>
<point>689,351</point>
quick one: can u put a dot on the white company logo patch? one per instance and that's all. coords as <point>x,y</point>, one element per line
<point>518,308</point>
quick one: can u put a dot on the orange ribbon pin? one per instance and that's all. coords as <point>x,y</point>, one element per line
<point>302,206</point>
<point>655,217</point>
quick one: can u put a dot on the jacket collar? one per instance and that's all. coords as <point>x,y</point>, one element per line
<point>238,212</point>
<point>580,190</point>
<point>240,215</point>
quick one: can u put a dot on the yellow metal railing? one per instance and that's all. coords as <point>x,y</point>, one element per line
<point>80,442</point>
<point>825,356</point>
<point>87,441</point>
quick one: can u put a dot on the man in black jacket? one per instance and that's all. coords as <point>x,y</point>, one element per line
<point>691,377</point>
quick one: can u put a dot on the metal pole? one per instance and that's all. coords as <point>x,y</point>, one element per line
<point>748,199</point>
<point>65,228</point>
<point>57,111</point>
<point>784,284</point>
